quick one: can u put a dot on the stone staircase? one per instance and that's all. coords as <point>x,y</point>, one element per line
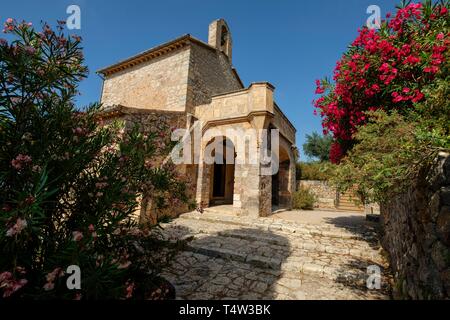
<point>347,203</point>
<point>330,255</point>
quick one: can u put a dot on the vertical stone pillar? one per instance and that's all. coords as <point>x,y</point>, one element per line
<point>292,182</point>
<point>202,194</point>
<point>256,195</point>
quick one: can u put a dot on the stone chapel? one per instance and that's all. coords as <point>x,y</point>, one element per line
<point>189,82</point>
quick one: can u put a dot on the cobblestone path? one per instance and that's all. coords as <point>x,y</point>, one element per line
<point>230,257</point>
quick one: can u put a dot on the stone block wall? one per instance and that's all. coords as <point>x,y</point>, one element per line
<point>325,194</point>
<point>416,235</point>
<point>210,73</point>
<point>160,83</point>
<point>147,120</point>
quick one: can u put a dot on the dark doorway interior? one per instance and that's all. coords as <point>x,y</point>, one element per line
<point>275,188</point>
<point>219,180</point>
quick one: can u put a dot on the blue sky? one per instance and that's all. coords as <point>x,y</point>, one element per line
<point>289,43</point>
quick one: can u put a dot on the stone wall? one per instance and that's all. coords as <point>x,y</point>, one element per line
<point>210,73</point>
<point>416,235</point>
<point>147,119</point>
<point>325,194</point>
<point>160,83</point>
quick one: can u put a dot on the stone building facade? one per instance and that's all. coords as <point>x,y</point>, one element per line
<point>195,85</point>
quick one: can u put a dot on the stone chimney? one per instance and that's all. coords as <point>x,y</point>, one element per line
<point>219,36</point>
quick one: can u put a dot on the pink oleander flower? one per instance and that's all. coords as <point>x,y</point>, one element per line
<point>30,50</point>
<point>9,284</point>
<point>49,286</point>
<point>5,276</point>
<point>17,227</point>
<point>77,235</point>
<point>57,272</point>
<point>129,289</point>
<point>124,265</point>
<point>101,185</point>
<point>20,161</point>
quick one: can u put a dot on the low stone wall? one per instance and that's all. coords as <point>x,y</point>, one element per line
<point>326,195</point>
<point>416,235</point>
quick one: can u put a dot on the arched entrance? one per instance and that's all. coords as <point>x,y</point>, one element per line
<point>222,172</point>
<point>281,193</point>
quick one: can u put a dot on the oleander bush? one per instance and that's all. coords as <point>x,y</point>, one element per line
<point>69,185</point>
<point>388,104</point>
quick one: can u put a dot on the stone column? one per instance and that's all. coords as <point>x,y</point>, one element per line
<point>202,194</point>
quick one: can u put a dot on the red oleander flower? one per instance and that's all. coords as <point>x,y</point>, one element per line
<point>383,70</point>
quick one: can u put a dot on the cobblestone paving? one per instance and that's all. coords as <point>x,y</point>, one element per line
<point>229,257</point>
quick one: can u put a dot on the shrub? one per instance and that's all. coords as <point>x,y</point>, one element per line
<point>304,199</point>
<point>313,171</point>
<point>390,69</point>
<point>391,152</point>
<point>388,109</point>
<point>70,187</point>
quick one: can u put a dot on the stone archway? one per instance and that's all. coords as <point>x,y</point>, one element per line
<point>284,192</point>
<point>281,181</point>
<point>222,172</point>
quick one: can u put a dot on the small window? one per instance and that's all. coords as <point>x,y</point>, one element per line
<point>223,36</point>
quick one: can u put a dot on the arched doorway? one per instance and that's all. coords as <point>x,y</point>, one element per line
<point>284,179</point>
<point>222,172</point>
<point>281,193</point>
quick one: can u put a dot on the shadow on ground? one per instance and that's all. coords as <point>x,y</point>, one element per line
<point>358,226</point>
<point>372,278</point>
<point>370,271</point>
<point>226,266</point>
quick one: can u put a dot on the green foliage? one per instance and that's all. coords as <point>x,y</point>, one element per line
<point>392,151</point>
<point>314,170</point>
<point>70,186</point>
<point>317,146</point>
<point>304,199</point>
<point>396,145</point>
<point>390,69</point>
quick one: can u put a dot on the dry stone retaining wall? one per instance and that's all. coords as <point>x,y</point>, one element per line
<point>417,235</point>
<point>325,194</point>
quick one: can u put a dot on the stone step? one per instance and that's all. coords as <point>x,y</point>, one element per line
<point>354,248</point>
<point>349,203</point>
<point>359,250</point>
<point>350,208</point>
<point>277,240</point>
<point>348,197</point>
<point>296,261</point>
<point>197,276</point>
<point>300,239</point>
<point>290,228</point>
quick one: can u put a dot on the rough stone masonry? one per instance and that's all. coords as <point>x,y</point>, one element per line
<point>417,235</point>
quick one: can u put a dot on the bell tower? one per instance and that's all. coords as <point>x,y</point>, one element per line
<point>219,36</point>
